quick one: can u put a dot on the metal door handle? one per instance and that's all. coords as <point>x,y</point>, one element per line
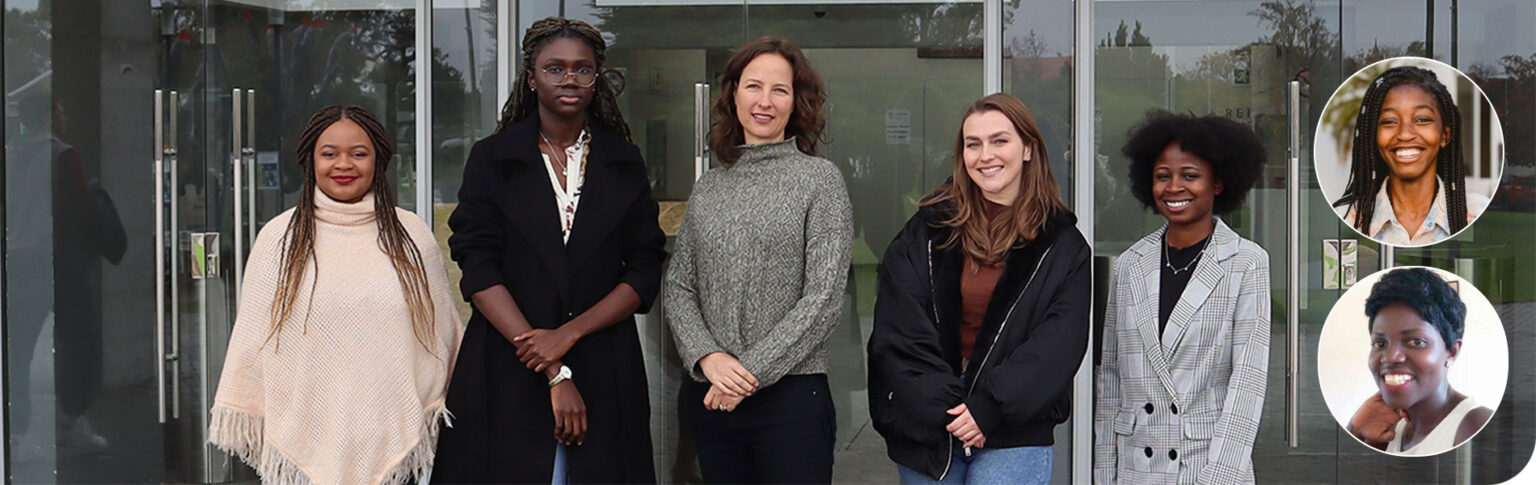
<point>248,152</point>
<point>1293,260</point>
<point>700,129</point>
<point>175,231</point>
<point>237,158</point>
<point>161,150</point>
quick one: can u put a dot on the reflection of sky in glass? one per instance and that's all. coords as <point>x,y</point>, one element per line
<point>1488,29</point>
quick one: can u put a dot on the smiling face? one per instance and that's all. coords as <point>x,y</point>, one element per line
<point>1184,186</point>
<point>1410,132</point>
<point>994,155</point>
<point>765,98</point>
<point>1408,356</point>
<point>344,161</point>
<point>566,98</point>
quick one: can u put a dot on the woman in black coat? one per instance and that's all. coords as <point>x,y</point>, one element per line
<point>557,236</point>
<point>982,315</point>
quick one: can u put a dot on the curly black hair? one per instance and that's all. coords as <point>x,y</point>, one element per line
<point>1426,293</point>
<point>1367,171</point>
<point>1235,153</point>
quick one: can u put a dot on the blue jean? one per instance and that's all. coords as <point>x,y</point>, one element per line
<point>1023,465</point>
<point>562,474</point>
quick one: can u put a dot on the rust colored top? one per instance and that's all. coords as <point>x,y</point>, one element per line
<point>976,285</point>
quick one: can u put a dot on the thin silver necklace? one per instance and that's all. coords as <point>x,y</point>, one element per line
<point>553,150</point>
<point>1168,258</point>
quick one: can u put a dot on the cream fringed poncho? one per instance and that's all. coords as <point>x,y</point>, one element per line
<point>345,394</point>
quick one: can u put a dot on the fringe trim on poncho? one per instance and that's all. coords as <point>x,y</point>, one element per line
<point>239,433</point>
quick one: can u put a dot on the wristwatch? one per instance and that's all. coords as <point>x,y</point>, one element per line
<point>562,376</point>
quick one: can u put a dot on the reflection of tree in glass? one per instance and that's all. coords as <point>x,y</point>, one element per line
<point>28,50</point>
<point>1132,78</point>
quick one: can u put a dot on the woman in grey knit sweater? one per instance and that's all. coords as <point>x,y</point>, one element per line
<point>756,281</point>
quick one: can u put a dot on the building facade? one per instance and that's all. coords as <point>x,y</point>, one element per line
<point>146,143</point>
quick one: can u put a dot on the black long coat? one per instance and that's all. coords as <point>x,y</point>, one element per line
<point>506,231</point>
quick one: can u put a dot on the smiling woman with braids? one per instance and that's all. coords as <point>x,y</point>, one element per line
<point>340,356</point>
<point>1407,180</point>
<point>557,235</point>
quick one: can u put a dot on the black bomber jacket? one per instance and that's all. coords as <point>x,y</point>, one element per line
<point>1032,339</point>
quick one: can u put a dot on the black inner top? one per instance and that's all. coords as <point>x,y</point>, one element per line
<point>1173,284</point>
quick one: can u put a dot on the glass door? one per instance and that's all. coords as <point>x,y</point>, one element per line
<point>898,79</point>
<point>145,149</point>
<point>1153,56</point>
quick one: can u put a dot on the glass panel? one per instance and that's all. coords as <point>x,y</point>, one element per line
<point>298,57</point>
<point>1497,251</point>
<point>79,241</point>
<point>91,88</point>
<point>464,108</point>
<point>1165,55</point>
<point>898,79</point>
<point>1038,68</point>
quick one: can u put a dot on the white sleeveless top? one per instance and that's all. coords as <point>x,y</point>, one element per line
<point>1440,439</point>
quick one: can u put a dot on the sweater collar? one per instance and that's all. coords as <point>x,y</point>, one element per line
<point>331,211</point>
<point>766,151</point>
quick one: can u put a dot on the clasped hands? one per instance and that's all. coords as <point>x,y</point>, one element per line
<point>730,381</point>
<point>541,350</point>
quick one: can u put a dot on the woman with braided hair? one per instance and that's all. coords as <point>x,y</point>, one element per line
<point>339,360</point>
<point>1407,183</point>
<point>557,236</point>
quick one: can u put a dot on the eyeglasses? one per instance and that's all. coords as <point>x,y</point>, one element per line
<point>585,76</point>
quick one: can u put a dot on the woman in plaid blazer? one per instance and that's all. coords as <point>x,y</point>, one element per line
<point>1186,331</point>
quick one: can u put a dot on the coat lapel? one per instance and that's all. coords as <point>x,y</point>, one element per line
<point>531,200</point>
<point>605,196</point>
<point>1148,271</point>
<point>1208,274</point>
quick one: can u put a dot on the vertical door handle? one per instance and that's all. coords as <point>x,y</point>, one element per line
<point>160,149</point>
<point>1293,261</point>
<point>249,153</point>
<point>700,129</point>
<point>237,156</point>
<point>175,233</point>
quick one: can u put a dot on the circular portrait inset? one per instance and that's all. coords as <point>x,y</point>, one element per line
<point>1412,361</point>
<point>1408,151</point>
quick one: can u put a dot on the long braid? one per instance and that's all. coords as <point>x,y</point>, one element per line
<point>1368,170</point>
<point>1452,168</point>
<point>394,241</point>
<point>523,102</point>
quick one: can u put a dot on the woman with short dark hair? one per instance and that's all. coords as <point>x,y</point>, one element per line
<point>1416,324</point>
<point>756,281</point>
<point>1186,330</point>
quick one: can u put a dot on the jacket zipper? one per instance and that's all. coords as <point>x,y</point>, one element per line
<point>1006,317</point>
<point>933,296</point>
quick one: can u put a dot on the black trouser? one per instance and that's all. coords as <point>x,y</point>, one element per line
<point>782,434</point>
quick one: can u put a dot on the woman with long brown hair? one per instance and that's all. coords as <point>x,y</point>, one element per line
<point>756,282</point>
<point>558,238</point>
<point>340,355</point>
<point>982,314</point>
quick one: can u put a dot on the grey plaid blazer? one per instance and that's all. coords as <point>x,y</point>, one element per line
<point>1184,406</point>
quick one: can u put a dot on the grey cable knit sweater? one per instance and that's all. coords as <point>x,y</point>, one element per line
<point>761,262</point>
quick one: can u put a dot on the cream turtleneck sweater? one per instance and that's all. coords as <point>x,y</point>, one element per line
<point>345,394</point>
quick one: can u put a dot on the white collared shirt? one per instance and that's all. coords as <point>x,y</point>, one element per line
<point>569,197</point>
<point>1436,227</point>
